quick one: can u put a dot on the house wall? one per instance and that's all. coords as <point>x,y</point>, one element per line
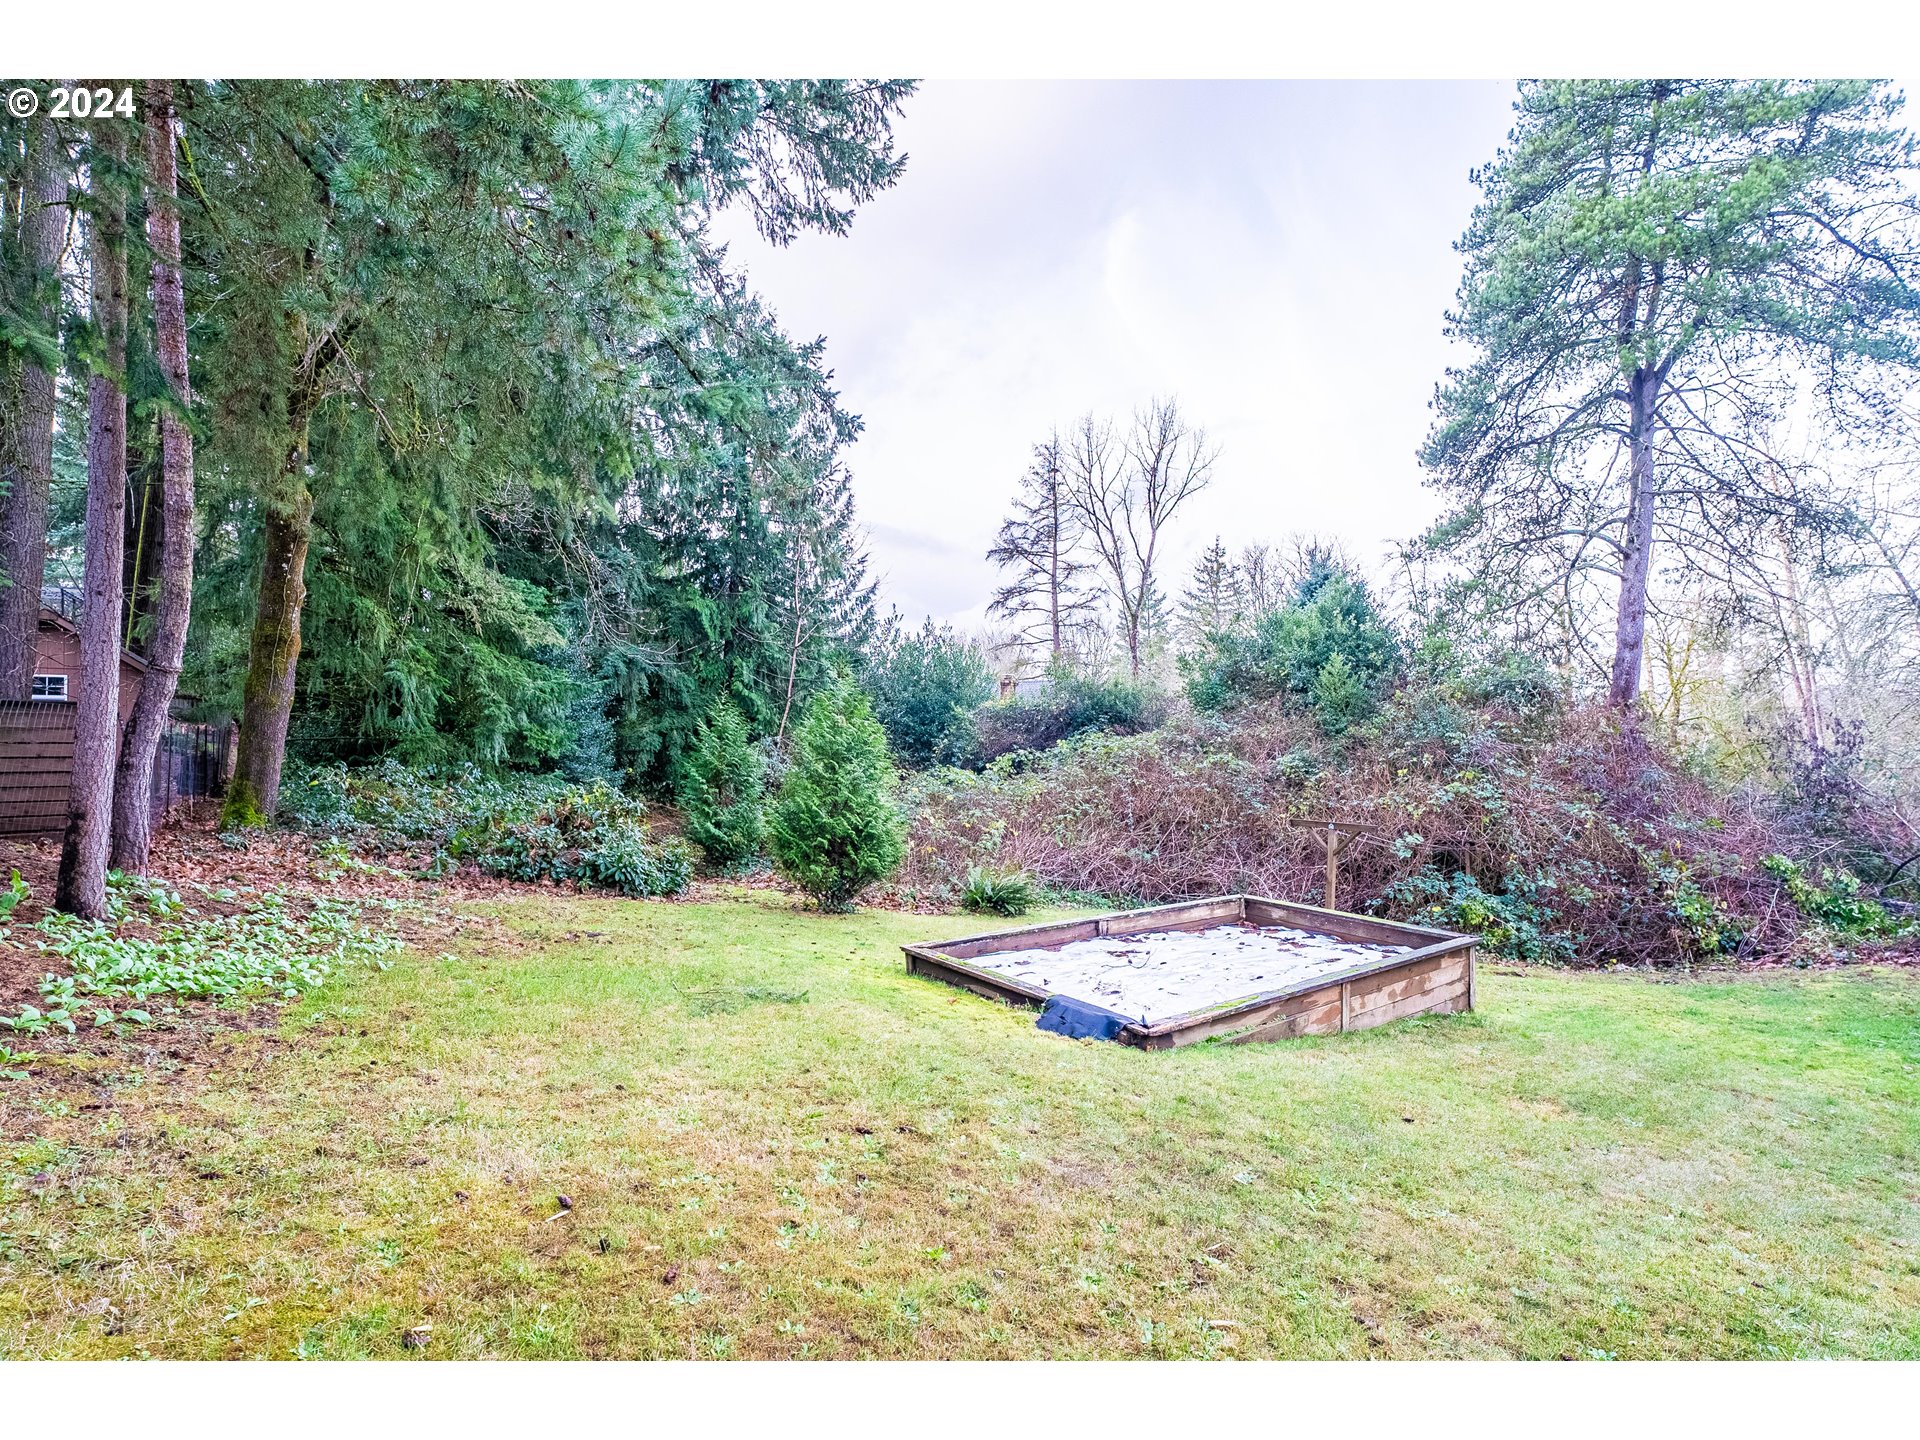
<point>57,652</point>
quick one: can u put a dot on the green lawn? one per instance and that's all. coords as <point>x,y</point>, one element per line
<point>1590,1165</point>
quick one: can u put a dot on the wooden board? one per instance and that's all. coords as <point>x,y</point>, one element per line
<point>1434,976</point>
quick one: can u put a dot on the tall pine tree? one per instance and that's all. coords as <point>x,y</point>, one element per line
<point>1653,268</point>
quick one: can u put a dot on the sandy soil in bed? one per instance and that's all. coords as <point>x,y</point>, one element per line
<point>1159,974</point>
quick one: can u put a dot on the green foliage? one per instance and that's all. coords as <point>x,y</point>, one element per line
<point>1071,703</point>
<point>271,944</point>
<point>395,804</point>
<point>1286,654</point>
<point>570,481</point>
<point>17,890</point>
<point>925,686</point>
<point>1704,926</point>
<point>834,829</point>
<point>988,891</point>
<point>1515,921</point>
<point>1673,259</point>
<point>1338,698</point>
<point>1834,900</point>
<point>723,794</point>
<point>589,835</point>
<point>520,827</point>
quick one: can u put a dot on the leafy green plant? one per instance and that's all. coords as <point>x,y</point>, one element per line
<point>997,892</point>
<point>724,792</point>
<point>1704,925</point>
<point>268,946</point>
<point>519,827</point>
<point>10,898</point>
<point>834,829</point>
<point>1834,901</point>
<point>626,860</point>
<point>1514,921</point>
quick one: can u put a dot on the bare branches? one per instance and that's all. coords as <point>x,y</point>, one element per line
<point>1125,490</point>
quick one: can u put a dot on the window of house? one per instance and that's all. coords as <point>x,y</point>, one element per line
<point>49,687</point>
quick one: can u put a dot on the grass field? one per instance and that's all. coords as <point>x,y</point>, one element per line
<point>775,1143</point>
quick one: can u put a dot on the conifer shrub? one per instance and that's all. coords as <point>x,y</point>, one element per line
<point>724,791</point>
<point>1332,620</point>
<point>925,686</point>
<point>834,829</point>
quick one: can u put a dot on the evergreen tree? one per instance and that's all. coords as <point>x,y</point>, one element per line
<point>1287,654</point>
<point>1653,268</point>
<point>81,888</point>
<point>722,794</point>
<point>461,328</point>
<point>34,179</point>
<point>925,687</point>
<point>1214,598</point>
<point>1040,544</point>
<point>834,828</point>
<point>1338,697</point>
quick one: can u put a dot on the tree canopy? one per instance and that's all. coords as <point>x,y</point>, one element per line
<point>1658,271</point>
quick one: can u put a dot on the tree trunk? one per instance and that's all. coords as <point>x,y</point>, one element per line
<point>1053,549</point>
<point>275,648</point>
<point>82,885</point>
<point>26,445</point>
<point>1803,668</point>
<point>793,659</point>
<point>1630,631</point>
<point>132,807</point>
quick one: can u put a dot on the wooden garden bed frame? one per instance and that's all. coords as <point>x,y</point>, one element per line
<point>1435,977</point>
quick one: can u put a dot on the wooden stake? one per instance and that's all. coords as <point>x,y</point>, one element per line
<point>1333,836</point>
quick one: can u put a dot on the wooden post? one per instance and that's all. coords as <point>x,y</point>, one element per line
<point>1333,836</point>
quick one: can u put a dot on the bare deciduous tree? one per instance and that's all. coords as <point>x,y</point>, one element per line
<point>1124,491</point>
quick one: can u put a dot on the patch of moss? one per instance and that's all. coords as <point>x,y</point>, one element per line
<point>242,808</point>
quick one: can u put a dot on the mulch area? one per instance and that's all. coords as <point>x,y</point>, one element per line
<point>188,852</point>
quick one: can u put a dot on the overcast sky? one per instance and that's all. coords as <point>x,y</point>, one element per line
<point>1277,255</point>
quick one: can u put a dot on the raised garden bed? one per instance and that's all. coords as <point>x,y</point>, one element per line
<point>1239,968</point>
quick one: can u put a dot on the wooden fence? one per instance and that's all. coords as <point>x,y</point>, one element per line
<point>36,765</point>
